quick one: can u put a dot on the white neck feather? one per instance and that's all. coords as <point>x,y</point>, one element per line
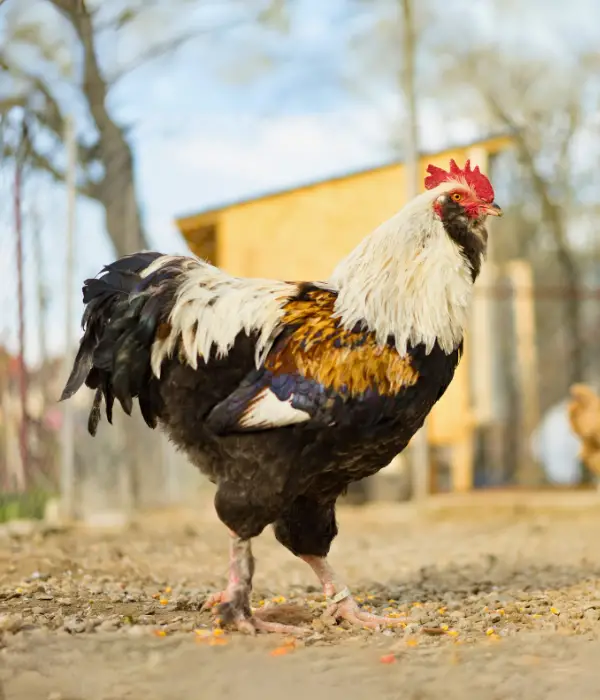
<point>408,279</point>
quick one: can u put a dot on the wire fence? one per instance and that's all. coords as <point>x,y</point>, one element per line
<point>128,467</point>
<point>504,419</point>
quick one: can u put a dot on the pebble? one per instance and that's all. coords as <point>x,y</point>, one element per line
<point>74,625</point>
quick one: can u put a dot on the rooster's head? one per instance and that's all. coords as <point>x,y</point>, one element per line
<point>470,192</point>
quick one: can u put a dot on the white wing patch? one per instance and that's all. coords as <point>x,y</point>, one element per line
<point>212,307</point>
<point>267,411</point>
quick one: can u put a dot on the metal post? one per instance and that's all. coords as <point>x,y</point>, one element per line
<point>67,474</point>
<point>419,447</point>
<point>23,436</point>
<point>42,300</point>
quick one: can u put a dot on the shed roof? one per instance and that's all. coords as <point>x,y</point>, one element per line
<point>205,216</point>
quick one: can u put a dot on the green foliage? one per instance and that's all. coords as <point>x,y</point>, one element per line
<point>29,505</point>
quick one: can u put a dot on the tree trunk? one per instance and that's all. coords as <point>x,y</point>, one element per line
<point>117,195</point>
<point>116,192</point>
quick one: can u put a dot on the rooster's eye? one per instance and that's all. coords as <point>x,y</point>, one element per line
<point>457,196</point>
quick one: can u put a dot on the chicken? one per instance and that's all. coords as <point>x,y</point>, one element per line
<point>584,417</point>
<point>284,393</point>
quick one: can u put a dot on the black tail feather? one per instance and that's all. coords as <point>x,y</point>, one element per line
<point>120,320</point>
<point>94,417</point>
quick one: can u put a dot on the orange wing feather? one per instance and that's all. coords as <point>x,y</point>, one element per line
<point>319,348</point>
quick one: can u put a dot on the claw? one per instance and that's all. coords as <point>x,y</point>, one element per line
<point>213,599</point>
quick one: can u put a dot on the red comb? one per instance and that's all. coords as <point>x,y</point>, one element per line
<point>475,179</point>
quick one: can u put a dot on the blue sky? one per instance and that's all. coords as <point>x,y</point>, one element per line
<point>200,141</point>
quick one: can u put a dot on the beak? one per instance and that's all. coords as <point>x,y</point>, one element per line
<point>492,210</point>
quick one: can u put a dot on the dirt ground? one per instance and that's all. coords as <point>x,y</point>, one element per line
<point>501,608</point>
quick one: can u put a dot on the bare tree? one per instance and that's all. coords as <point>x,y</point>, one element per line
<point>550,112</point>
<point>57,54</point>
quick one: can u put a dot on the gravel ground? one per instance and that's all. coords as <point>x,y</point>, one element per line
<point>501,608</point>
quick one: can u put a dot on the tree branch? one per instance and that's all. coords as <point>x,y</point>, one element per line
<point>163,48</point>
<point>51,117</point>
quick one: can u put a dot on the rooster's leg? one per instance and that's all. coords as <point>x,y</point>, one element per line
<point>234,601</point>
<point>342,605</point>
<point>234,576</point>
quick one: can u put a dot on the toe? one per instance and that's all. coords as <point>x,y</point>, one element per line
<point>212,600</point>
<point>246,626</point>
<point>278,628</point>
<point>348,610</point>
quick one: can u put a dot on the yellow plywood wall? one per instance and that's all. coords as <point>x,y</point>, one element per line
<point>301,235</point>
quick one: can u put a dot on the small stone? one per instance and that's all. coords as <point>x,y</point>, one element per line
<point>11,623</point>
<point>37,610</point>
<point>90,625</point>
<point>592,615</point>
<point>146,620</point>
<point>74,625</point>
<point>109,625</point>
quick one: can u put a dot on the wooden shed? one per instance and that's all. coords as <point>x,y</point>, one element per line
<point>301,233</point>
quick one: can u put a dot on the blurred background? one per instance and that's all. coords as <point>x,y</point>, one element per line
<point>269,136</point>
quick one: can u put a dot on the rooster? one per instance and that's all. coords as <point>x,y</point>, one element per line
<point>284,393</point>
<point>584,416</point>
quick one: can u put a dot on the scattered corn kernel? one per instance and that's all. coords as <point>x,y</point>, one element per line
<point>536,616</point>
<point>168,589</point>
<point>444,627</point>
<point>554,611</point>
<point>218,632</point>
<point>441,611</point>
<point>160,633</point>
<point>370,597</point>
<point>453,633</point>
<point>217,642</point>
<point>411,642</point>
<point>490,631</point>
<point>278,599</point>
<point>281,651</point>
<point>359,600</point>
<point>501,611</point>
<point>388,659</point>
<point>163,601</point>
<point>202,633</point>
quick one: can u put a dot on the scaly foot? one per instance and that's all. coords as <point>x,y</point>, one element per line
<point>342,604</point>
<point>234,610</point>
<point>348,609</point>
